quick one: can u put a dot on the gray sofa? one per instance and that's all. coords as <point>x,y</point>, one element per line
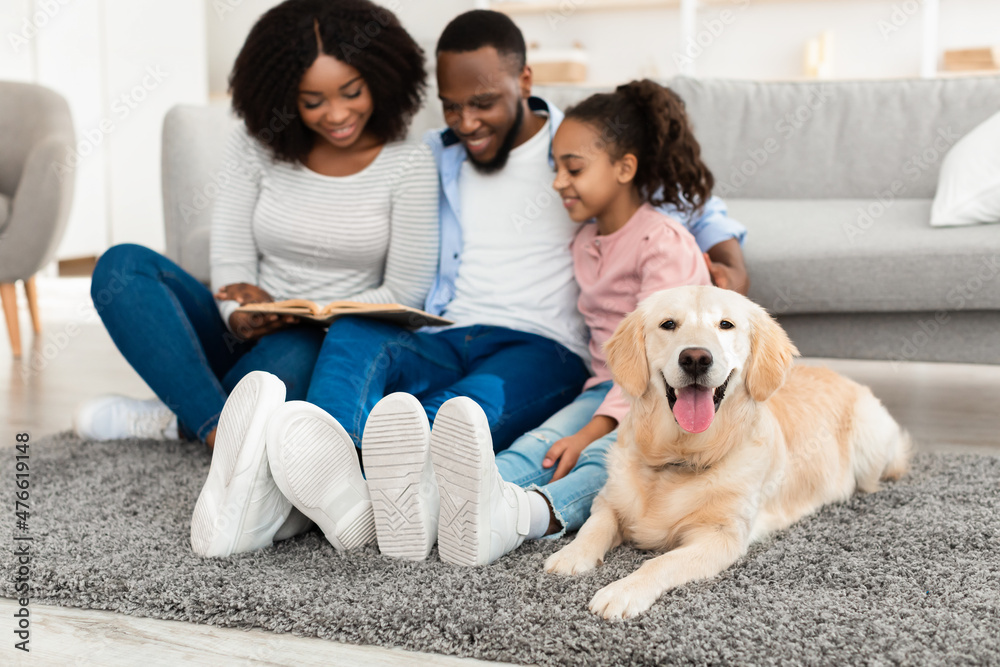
<point>834,181</point>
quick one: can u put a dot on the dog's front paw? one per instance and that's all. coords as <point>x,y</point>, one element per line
<point>571,559</point>
<point>624,598</point>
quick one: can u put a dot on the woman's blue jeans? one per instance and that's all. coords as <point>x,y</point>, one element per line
<point>571,496</point>
<point>168,327</point>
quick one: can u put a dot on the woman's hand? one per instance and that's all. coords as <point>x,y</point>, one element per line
<point>243,293</point>
<point>251,326</point>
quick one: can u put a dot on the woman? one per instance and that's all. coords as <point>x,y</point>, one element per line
<point>329,206</point>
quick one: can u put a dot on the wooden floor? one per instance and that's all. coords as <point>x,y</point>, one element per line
<point>63,636</point>
<point>946,407</point>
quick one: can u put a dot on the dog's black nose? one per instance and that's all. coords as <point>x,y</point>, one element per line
<point>695,360</point>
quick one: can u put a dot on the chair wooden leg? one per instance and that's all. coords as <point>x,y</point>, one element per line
<point>9,298</point>
<point>36,317</point>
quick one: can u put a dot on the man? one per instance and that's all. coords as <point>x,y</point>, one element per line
<point>505,260</point>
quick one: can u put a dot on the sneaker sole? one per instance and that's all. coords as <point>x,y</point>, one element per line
<point>314,464</point>
<point>396,452</point>
<point>239,453</point>
<point>457,454</point>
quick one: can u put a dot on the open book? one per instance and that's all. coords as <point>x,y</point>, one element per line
<point>393,313</point>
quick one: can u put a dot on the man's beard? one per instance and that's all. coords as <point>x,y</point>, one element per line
<point>499,160</point>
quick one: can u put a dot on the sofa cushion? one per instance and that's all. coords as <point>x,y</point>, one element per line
<point>4,211</point>
<point>817,256</point>
<point>832,139</point>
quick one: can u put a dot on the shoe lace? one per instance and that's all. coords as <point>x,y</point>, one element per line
<point>151,424</point>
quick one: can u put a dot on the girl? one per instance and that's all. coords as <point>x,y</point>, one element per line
<point>618,155</point>
<point>323,201</point>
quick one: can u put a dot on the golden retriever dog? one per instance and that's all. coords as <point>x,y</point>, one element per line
<point>725,442</point>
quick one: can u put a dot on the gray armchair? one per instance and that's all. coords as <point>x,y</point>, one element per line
<point>36,190</point>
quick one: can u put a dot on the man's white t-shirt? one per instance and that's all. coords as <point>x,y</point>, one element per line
<point>517,268</point>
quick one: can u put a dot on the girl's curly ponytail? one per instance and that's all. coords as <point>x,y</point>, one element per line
<point>649,121</point>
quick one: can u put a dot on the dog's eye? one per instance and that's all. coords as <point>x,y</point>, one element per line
<point>669,325</point>
<point>726,324</point>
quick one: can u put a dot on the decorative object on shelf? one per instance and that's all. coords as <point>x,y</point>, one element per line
<point>558,65</point>
<point>819,56</point>
<point>986,58</point>
<point>559,6</point>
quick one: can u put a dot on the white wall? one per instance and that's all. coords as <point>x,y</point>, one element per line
<point>65,42</point>
<point>120,64</point>
<point>70,61</point>
<point>156,58</point>
<point>15,56</point>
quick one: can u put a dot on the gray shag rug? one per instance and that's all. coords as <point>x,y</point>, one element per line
<point>910,575</point>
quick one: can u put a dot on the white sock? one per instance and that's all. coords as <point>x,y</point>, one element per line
<point>171,432</point>
<point>540,515</point>
<point>296,524</point>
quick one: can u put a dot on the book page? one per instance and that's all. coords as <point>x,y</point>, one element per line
<point>393,313</point>
<point>290,306</point>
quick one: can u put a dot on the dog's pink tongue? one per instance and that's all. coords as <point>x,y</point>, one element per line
<point>695,408</point>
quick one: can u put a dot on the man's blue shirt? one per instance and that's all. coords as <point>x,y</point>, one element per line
<point>712,226</point>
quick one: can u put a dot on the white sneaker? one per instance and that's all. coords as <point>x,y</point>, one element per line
<point>315,464</point>
<point>397,455</point>
<point>482,516</point>
<point>113,417</point>
<point>240,508</point>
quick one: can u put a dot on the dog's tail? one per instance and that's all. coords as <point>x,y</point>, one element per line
<point>899,456</point>
<point>881,446</point>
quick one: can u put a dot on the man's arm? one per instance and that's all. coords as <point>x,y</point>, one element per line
<point>725,263</point>
<point>721,238</point>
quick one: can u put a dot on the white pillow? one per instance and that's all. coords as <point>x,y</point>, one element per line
<point>969,184</point>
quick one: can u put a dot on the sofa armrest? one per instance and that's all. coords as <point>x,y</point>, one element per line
<point>193,141</point>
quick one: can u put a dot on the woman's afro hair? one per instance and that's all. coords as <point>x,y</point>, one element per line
<point>286,41</point>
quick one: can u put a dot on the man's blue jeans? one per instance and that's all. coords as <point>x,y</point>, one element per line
<point>519,379</point>
<point>168,327</point>
<point>571,496</point>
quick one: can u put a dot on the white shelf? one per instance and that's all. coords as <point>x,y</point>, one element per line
<point>515,8</point>
<point>689,8</point>
<point>542,6</point>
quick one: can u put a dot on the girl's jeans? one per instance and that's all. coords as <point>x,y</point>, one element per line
<point>571,496</point>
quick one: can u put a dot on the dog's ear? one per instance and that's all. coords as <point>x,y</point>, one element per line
<point>771,354</point>
<point>626,351</point>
